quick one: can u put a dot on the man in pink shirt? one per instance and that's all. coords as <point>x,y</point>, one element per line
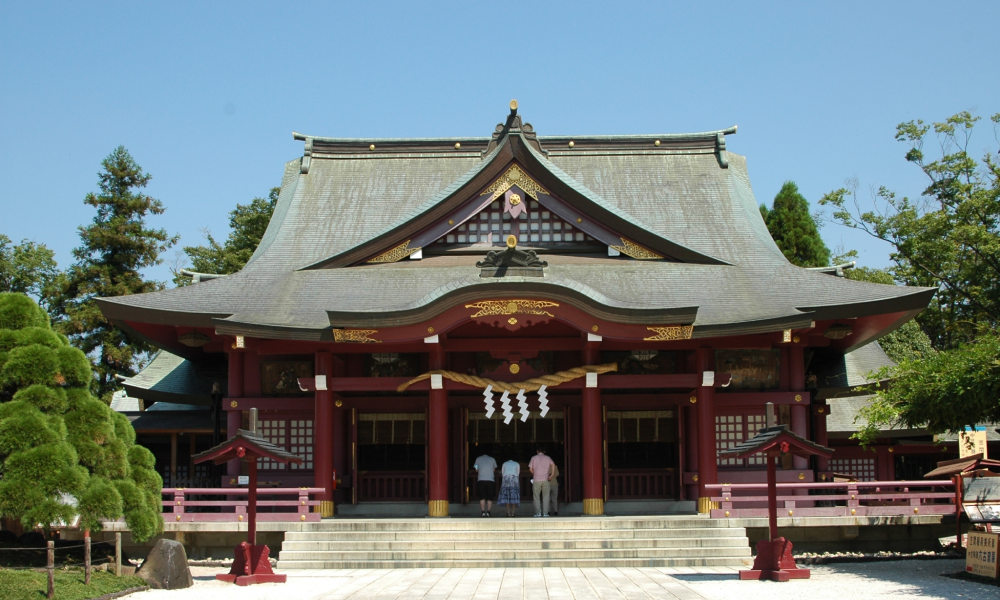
<point>541,468</point>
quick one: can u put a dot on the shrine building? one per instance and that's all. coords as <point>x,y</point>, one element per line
<point>615,299</point>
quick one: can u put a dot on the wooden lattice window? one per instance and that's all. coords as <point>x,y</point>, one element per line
<point>391,428</point>
<point>730,430</point>
<point>862,469</point>
<point>294,435</point>
<point>536,227</point>
<point>641,426</point>
<point>537,429</point>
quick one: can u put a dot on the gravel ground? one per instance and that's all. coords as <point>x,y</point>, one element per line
<point>850,581</point>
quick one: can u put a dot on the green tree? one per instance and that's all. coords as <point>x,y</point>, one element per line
<point>794,230</point>
<point>247,223</point>
<point>27,268</point>
<point>114,248</point>
<point>58,443</point>
<point>948,239</point>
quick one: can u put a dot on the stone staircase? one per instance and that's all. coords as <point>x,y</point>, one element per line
<point>669,541</point>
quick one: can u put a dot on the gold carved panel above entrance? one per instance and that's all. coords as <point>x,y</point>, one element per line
<point>489,308</point>
<point>358,336</point>
<point>514,176</point>
<point>669,334</point>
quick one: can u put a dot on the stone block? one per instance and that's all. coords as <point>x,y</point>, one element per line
<point>166,567</point>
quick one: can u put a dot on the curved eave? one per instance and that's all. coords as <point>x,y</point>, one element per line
<point>515,149</point>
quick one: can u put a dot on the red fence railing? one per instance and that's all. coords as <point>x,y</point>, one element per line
<point>392,486</point>
<point>189,504</point>
<point>866,498</point>
<point>625,484</point>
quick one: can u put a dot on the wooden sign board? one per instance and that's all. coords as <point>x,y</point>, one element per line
<point>980,490</point>
<point>981,554</point>
<point>972,442</point>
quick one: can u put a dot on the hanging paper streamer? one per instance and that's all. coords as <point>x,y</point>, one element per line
<point>543,400</point>
<point>488,399</point>
<point>522,401</point>
<point>505,404</point>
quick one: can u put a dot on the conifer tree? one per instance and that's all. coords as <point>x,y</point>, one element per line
<point>114,249</point>
<point>794,230</point>
<point>63,452</point>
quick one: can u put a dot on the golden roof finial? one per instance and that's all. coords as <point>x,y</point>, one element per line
<point>513,107</point>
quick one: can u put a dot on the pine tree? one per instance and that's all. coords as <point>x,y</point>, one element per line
<point>114,249</point>
<point>63,452</point>
<point>247,222</point>
<point>794,230</point>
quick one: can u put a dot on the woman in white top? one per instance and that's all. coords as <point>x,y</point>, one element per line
<point>510,486</point>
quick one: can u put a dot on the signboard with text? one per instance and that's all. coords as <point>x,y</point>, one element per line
<point>972,442</point>
<point>981,554</point>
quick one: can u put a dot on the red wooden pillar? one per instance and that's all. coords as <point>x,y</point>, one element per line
<point>437,442</point>
<point>707,460</point>
<point>822,410</point>
<point>799,414</point>
<point>691,448</point>
<point>592,442</point>
<point>341,436</point>
<point>323,435</point>
<point>234,418</point>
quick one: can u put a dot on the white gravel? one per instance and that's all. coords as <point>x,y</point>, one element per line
<point>850,581</point>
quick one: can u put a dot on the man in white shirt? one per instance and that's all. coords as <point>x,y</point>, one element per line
<point>486,487</point>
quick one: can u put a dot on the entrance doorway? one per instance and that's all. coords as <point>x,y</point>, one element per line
<point>643,455</point>
<point>392,457</point>
<point>516,441</point>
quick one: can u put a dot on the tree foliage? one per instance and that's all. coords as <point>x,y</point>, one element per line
<point>27,268</point>
<point>247,223</point>
<point>58,443</point>
<point>114,249</point>
<point>794,230</point>
<point>948,239</point>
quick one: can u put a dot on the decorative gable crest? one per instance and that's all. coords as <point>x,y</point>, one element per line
<point>515,176</point>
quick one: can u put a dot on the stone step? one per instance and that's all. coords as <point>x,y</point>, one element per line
<point>562,544</point>
<point>504,524</point>
<point>496,554</point>
<point>531,534</point>
<point>520,564</point>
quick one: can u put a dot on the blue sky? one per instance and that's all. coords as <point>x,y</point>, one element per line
<point>206,95</point>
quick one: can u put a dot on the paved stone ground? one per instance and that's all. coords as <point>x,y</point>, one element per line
<point>861,581</point>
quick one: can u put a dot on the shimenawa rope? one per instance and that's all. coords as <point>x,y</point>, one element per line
<point>528,385</point>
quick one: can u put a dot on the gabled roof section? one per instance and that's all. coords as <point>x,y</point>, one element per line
<point>434,218</point>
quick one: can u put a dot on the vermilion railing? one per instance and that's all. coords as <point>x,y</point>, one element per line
<point>392,486</point>
<point>188,505</point>
<point>624,484</point>
<point>866,498</point>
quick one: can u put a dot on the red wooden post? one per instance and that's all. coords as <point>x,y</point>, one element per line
<point>797,383</point>
<point>958,509</point>
<point>234,418</point>
<point>821,436</point>
<point>772,499</point>
<point>437,442</point>
<point>592,442</point>
<point>252,501</point>
<point>323,432</point>
<point>707,463</point>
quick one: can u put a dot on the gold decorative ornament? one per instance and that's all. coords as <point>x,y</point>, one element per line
<point>852,496</point>
<point>512,321</point>
<point>667,334</point>
<point>636,251</point>
<point>891,449</point>
<point>232,482</point>
<point>437,508</point>
<point>571,144</point>
<point>790,513</point>
<point>302,517</point>
<point>398,253</point>
<point>514,175</point>
<point>515,199</point>
<point>515,368</point>
<point>338,403</point>
<point>178,517</point>
<point>528,385</point>
<point>802,476</point>
<point>854,512</point>
<point>820,410</point>
<point>451,221</point>
<point>430,330</point>
<point>233,404</point>
<point>916,510</point>
<point>489,308</point>
<point>239,518</point>
<point>593,506</point>
<point>798,397</point>
<point>694,477</point>
<point>457,145</point>
<point>594,328</point>
<point>795,339</point>
<point>360,336</point>
<point>512,241</point>
<point>693,399</point>
<point>657,143</point>
<point>579,220</point>
<point>372,147</point>
<point>513,104</point>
